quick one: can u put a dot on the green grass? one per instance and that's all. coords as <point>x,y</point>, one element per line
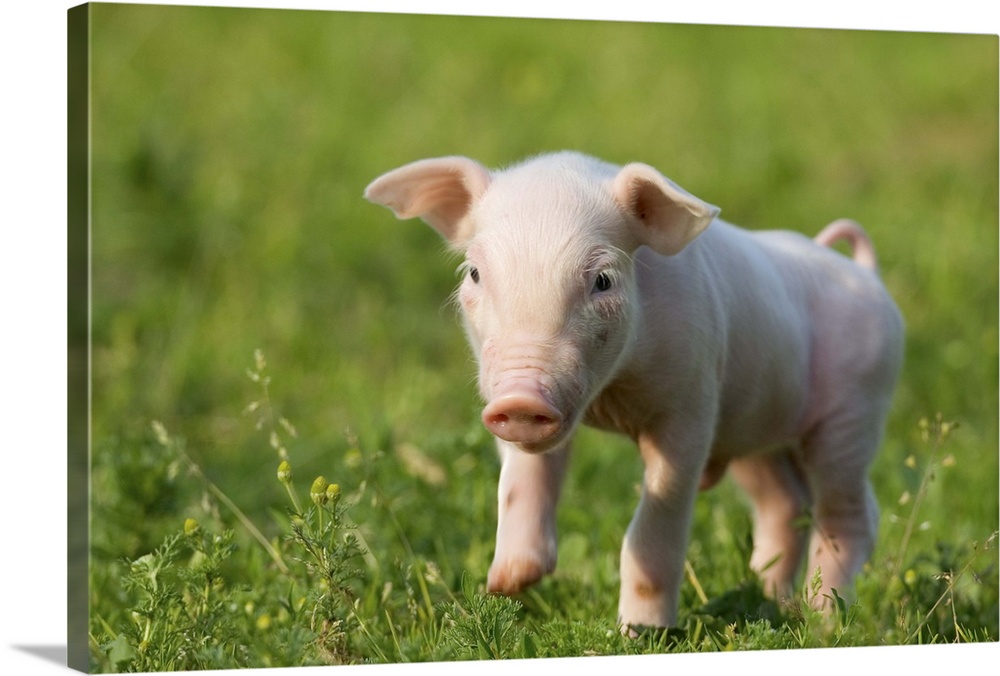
<point>231,148</point>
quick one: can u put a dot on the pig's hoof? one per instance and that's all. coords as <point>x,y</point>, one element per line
<point>516,574</point>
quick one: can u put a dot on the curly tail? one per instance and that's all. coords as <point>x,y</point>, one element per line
<point>862,249</point>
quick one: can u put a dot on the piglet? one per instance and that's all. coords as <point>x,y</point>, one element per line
<point>612,297</point>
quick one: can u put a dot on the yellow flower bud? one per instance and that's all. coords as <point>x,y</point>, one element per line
<point>318,491</point>
<point>333,493</point>
<point>284,472</point>
<point>191,526</point>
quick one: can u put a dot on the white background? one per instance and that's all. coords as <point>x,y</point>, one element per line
<point>33,321</point>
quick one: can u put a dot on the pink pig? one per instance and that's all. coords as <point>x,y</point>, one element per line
<point>610,296</point>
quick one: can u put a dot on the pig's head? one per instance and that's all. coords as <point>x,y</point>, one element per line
<point>548,295</point>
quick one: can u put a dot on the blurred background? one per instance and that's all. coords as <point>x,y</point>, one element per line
<point>231,148</point>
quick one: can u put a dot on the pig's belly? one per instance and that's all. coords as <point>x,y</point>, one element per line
<point>765,421</point>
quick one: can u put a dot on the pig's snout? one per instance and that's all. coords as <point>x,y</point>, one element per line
<point>524,418</point>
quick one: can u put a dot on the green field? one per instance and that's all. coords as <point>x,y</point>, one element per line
<point>230,151</point>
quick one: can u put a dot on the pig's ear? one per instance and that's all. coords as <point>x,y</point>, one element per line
<point>668,216</point>
<point>440,191</point>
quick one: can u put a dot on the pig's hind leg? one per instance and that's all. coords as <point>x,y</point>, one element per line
<point>836,459</point>
<point>526,517</point>
<point>780,497</point>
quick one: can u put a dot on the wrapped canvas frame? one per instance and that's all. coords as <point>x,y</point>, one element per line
<point>79,300</point>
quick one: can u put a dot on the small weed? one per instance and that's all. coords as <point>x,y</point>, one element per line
<point>934,433</point>
<point>321,540</point>
<point>181,618</point>
<point>931,596</point>
<point>487,627</point>
<point>186,612</point>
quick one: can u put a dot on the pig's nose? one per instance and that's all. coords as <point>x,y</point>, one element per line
<point>522,418</point>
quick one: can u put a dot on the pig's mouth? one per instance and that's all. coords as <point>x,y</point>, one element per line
<point>525,418</point>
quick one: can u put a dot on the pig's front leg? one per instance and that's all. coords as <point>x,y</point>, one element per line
<point>526,526</point>
<point>652,561</point>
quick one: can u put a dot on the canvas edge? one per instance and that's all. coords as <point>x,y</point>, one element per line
<point>78,335</point>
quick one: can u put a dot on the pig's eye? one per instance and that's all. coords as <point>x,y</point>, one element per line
<point>474,274</point>
<point>602,282</point>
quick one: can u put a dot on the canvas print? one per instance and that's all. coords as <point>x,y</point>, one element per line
<point>422,338</point>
